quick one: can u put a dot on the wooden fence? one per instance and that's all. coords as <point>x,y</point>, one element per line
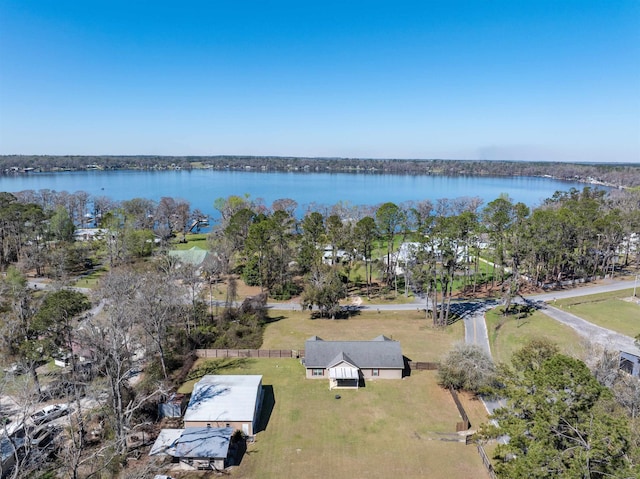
<point>250,353</point>
<point>465,424</point>
<point>423,366</point>
<point>486,462</point>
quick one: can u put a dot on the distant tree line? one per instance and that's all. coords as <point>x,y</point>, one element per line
<point>627,175</point>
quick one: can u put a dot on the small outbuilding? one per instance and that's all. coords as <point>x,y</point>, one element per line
<point>199,447</point>
<point>347,363</point>
<point>630,363</point>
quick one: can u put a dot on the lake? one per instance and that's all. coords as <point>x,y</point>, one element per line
<point>202,187</point>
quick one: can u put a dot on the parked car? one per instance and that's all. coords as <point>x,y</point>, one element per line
<point>9,449</point>
<point>42,437</point>
<point>49,413</point>
<point>16,369</point>
<point>63,389</point>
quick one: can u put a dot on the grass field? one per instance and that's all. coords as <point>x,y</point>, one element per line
<point>196,239</point>
<point>388,428</point>
<point>609,310</point>
<point>420,341</point>
<point>92,279</point>
<point>507,335</point>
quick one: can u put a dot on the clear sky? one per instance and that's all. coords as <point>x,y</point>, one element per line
<point>504,80</point>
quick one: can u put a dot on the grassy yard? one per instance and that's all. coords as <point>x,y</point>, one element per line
<point>507,335</point>
<point>388,428</point>
<point>609,310</point>
<point>92,279</point>
<point>404,428</point>
<point>419,339</point>
<point>196,239</point>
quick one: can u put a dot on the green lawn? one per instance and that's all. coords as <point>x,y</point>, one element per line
<point>92,279</point>
<point>386,428</point>
<point>506,334</point>
<point>420,341</point>
<point>609,310</point>
<point>196,239</point>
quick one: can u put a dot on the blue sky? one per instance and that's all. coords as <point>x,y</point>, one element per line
<point>503,80</point>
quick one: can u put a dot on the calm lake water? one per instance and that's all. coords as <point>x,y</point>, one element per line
<point>202,187</point>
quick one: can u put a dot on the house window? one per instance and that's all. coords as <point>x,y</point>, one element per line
<point>317,372</point>
<point>375,372</point>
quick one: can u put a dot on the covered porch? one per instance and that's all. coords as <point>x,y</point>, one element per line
<point>344,377</point>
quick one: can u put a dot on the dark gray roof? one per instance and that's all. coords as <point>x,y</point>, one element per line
<point>340,358</point>
<point>204,442</point>
<point>377,353</point>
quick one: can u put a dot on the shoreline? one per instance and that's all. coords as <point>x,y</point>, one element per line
<point>345,166</point>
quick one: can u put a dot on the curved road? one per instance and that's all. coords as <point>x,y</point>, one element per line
<point>476,328</point>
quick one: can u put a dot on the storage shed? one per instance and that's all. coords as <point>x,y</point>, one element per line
<point>199,447</point>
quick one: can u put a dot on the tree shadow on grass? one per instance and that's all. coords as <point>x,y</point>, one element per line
<point>274,319</point>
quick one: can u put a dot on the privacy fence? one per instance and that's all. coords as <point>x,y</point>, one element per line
<point>426,366</point>
<point>250,353</point>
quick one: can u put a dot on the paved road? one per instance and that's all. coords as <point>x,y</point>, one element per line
<point>596,334</point>
<point>603,286</point>
<point>476,330</point>
<point>45,284</point>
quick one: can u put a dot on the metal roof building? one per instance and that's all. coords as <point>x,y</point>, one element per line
<point>226,401</point>
<point>194,256</point>
<point>197,446</point>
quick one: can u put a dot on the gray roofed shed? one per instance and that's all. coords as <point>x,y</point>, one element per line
<point>206,447</point>
<point>204,442</point>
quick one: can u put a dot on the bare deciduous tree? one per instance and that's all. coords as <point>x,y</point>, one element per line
<point>116,340</point>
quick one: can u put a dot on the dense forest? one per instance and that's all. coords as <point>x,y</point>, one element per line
<point>612,174</point>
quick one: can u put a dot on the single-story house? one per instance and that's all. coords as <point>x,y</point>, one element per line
<point>199,447</point>
<point>226,401</point>
<point>327,255</point>
<point>346,363</point>
<point>89,234</point>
